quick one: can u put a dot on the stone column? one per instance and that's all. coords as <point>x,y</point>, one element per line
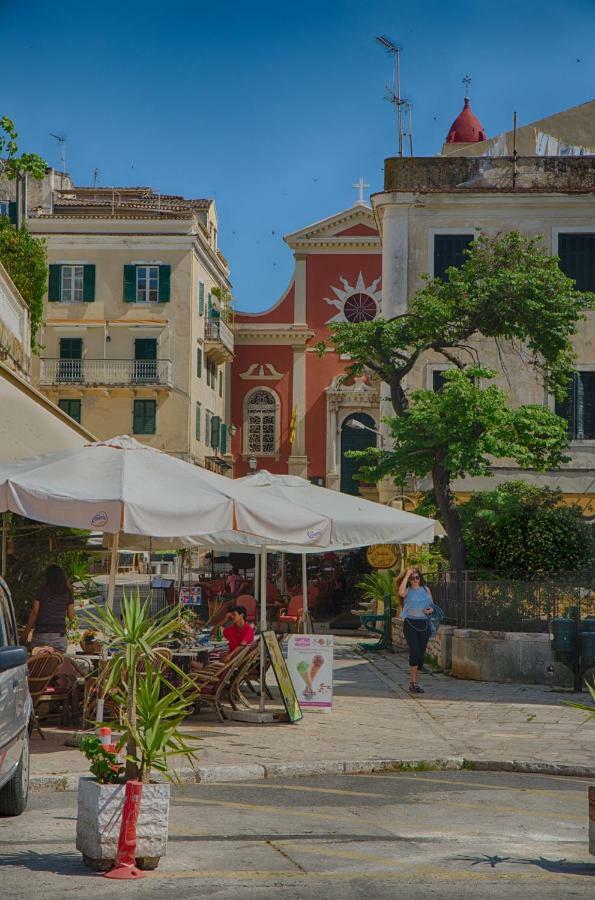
<point>297,464</point>
<point>332,455</point>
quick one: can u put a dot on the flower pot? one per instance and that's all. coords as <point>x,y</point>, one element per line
<point>100,815</point>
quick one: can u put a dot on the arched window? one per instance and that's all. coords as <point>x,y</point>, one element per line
<point>261,422</point>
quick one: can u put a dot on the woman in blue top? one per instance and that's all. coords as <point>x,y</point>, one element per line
<point>417,607</point>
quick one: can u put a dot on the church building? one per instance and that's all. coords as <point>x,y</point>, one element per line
<point>289,405</point>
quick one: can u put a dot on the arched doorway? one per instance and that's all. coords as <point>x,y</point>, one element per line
<point>354,439</point>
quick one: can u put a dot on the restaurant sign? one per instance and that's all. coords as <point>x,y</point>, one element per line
<point>383,556</point>
<point>285,683</point>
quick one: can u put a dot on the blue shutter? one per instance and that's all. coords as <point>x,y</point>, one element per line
<point>164,283</point>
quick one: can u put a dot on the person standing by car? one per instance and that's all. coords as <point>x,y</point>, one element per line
<point>52,605</point>
<point>417,607</point>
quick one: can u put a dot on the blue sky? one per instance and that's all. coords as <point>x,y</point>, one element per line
<point>274,108</point>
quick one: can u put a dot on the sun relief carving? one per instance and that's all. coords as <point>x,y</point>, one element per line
<point>261,372</point>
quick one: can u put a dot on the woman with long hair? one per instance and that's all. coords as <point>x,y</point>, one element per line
<point>417,608</point>
<point>52,605</point>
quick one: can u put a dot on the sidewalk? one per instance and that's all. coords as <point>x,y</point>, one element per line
<point>374,719</point>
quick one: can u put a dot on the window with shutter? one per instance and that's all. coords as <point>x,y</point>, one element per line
<point>577,259</point>
<point>71,407</point>
<point>54,281</point>
<point>129,284</point>
<point>88,284</point>
<point>449,250</point>
<point>197,422</point>
<point>578,408</point>
<point>144,418</point>
<point>198,362</point>
<point>223,438</point>
<point>147,284</point>
<point>72,284</point>
<point>220,383</point>
<point>215,432</point>
<point>208,418</point>
<point>164,283</point>
<point>201,298</point>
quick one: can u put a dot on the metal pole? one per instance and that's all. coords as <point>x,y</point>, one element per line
<point>304,593</point>
<point>399,113</point>
<point>113,570</point>
<point>263,622</point>
<point>5,524</point>
<point>283,574</point>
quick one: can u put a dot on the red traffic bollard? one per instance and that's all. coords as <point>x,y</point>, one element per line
<point>125,864</point>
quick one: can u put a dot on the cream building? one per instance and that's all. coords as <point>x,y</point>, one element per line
<point>429,211</point>
<point>135,340</point>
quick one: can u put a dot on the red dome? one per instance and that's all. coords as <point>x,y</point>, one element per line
<point>466,128</point>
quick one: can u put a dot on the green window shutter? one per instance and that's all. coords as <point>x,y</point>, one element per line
<point>223,438</point>
<point>12,212</point>
<point>129,284</point>
<point>215,432</point>
<point>54,284</point>
<point>220,383</point>
<point>88,284</point>
<point>164,283</point>
<point>72,408</point>
<point>198,362</point>
<point>197,424</point>
<point>201,298</point>
<point>144,419</point>
<point>209,305</point>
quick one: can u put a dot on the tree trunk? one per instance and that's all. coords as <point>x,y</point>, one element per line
<point>452,522</point>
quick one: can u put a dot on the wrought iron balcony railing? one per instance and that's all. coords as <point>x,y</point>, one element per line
<point>106,371</point>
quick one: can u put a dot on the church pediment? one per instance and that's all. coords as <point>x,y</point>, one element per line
<point>354,226</point>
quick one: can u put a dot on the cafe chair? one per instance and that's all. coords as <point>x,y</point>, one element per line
<point>213,683</point>
<point>41,668</point>
<point>249,602</point>
<point>293,614</point>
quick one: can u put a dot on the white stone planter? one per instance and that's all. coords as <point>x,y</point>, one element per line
<point>100,815</point>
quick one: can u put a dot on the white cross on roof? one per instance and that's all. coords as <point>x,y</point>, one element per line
<point>360,186</point>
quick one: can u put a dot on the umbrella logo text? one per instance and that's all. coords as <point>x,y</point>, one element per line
<point>99,519</point>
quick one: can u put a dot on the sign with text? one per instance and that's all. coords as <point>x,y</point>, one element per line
<point>383,556</point>
<point>310,664</point>
<point>285,683</point>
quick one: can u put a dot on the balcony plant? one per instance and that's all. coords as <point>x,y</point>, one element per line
<point>138,681</point>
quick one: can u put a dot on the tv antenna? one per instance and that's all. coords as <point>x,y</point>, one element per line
<point>395,92</point>
<point>95,177</point>
<point>61,138</point>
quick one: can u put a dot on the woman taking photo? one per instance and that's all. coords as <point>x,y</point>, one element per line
<point>417,607</point>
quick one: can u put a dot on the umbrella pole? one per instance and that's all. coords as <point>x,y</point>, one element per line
<point>5,524</point>
<point>283,579</point>
<point>111,590</point>
<point>113,569</point>
<point>304,593</point>
<point>263,623</point>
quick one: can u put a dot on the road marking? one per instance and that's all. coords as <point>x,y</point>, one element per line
<point>311,790</point>
<point>497,787</point>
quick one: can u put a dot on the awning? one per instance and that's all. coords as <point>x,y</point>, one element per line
<point>30,424</point>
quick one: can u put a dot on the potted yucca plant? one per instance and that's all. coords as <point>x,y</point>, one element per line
<point>137,684</point>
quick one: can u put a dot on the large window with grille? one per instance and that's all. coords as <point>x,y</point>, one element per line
<point>449,250</point>
<point>261,422</point>
<point>577,259</point>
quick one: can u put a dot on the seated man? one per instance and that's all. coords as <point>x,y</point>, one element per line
<point>237,634</point>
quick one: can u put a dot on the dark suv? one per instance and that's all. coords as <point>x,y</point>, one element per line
<point>15,712</point>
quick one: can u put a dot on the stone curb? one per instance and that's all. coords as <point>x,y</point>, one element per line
<point>223,774</point>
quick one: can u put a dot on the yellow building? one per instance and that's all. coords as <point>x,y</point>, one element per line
<point>135,340</point>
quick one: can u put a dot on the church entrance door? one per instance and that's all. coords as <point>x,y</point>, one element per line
<point>354,439</point>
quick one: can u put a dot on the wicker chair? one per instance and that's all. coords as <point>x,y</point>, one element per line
<point>41,669</point>
<point>215,681</point>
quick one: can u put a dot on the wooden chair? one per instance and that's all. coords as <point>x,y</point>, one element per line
<point>41,668</point>
<point>248,673</point>
<point>213,683</point>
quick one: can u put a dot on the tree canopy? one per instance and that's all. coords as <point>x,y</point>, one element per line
<point>509,289</point>
<point>15,163</point>
<point>24,258</point>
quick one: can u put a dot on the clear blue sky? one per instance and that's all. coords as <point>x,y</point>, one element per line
<point>275,109</point>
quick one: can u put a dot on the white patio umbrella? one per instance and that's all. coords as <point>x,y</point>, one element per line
<point>121,485</point>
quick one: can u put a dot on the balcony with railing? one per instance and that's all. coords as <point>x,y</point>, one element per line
<point>115,372</point>
<point>219,343</point>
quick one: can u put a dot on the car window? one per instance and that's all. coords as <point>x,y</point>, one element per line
<point>8,636</point>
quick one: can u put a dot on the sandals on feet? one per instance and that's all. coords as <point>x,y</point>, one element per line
<point>415,688</point>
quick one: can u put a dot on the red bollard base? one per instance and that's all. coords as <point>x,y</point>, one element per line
<point>124,873</point>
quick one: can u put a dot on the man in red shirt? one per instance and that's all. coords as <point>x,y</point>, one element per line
<point>238,633</point>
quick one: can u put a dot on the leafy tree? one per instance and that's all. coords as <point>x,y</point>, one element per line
<point>24,258</point>
<point>15,163</point>
<point>509,290</point>
<point>522,530</point>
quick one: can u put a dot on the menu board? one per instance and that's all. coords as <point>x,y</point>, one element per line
<point>285,683</point>
<point>310,664</point>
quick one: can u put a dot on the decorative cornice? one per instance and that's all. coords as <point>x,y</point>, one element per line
<point>271,334</point>
<point>256,372</point>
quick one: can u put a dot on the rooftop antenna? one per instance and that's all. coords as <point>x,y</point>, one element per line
<point>95,177</point>
<point>61,138</point>
<point>394,95</point>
